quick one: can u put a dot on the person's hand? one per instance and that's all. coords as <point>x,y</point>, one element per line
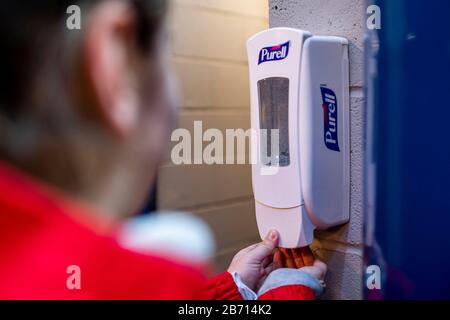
<point>255,262</point>
<point>293,258</point>
<point>318,270</point>
<point>302,259</point>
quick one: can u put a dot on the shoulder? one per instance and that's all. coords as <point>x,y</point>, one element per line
<point>116,272</point>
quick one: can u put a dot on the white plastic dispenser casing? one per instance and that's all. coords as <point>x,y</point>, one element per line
<point>299,86</point>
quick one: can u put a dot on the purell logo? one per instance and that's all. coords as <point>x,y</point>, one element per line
<point>278,52</point>
<point>330,118</point>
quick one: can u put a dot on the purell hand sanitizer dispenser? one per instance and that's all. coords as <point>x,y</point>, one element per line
<point>299,86</point>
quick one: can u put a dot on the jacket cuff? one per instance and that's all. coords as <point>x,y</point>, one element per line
<point>246,292</point>
<point>287,276</point>
<point>289,292</point>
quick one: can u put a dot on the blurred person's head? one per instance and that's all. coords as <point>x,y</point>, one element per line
<point>87,111</point>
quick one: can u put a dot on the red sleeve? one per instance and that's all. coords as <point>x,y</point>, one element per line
<point>222,287</point>
<point>289,292</point>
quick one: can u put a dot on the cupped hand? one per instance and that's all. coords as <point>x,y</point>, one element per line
<point>300,258</point>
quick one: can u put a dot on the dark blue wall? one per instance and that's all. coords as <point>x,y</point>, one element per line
<point>409,144</point>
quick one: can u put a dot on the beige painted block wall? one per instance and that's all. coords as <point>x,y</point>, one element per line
<point>342,246</point>
<point>208,45</point>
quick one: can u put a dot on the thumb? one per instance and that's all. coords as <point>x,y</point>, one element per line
<point>265,247</point>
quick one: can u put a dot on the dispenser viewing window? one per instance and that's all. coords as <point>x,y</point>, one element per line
<point>273,96</point>
<point>299,87</point>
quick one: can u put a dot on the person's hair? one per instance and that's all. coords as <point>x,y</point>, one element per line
<point>36,102</point>
<point>27,29</point>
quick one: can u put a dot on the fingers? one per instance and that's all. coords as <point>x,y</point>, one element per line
<point>297,254</point>
<point>265,248</point>
<point>293,258</point>
<point>271,267</point>
<point>266,261</point>
<point>267,267</point>
<point>307,255</point>
<point>288,258</point>
<point>278,258</point>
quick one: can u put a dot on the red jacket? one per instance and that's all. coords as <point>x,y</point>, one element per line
<point>42,234</point>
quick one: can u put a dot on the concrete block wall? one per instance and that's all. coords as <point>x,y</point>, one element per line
<point>208,46</point>
<point>340,247</point>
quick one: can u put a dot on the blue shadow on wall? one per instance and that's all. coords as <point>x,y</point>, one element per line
<point>407,225</point>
